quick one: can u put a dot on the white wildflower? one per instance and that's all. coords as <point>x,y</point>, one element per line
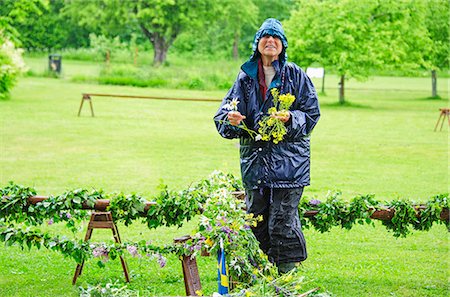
<point>204,220</point>
<point>234,103</point>
<point>231,105</point>
<point>223,192</point>
<point>227,106</point>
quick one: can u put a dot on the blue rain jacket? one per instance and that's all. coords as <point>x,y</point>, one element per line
<point>263,163</point>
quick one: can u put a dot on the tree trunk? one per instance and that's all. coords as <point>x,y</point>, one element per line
<point>135,55</point>
<point>160,47</point>
<point>107,57</point>
<point>323,82</point>
<point>433,84</point>
<point>236,46</point>
<point>341,90</point>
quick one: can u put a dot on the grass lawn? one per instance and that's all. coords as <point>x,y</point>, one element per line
<point>383,143</point>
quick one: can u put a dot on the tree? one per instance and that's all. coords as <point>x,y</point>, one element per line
<point>230,30</point>
<point>52,30</point>
<point>234,17</point>
<point>437,23</point>
<point>225,30</point>
<point>161,21</point>
<point>15,12</point>
<point>357,37</point>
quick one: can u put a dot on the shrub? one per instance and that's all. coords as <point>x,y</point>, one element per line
<point>11,65</point>
<point>196,83</point>
<point>130,75</point>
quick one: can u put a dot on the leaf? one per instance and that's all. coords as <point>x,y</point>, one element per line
<point>8,235</point>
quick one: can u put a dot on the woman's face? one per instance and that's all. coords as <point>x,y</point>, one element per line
<point>270,47</point>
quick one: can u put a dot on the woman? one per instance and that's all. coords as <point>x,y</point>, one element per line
<point>273,174</point>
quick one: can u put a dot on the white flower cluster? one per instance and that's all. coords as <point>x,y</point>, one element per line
<point>11,65</point>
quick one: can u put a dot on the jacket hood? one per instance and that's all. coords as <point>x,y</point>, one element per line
<point>271,27</point>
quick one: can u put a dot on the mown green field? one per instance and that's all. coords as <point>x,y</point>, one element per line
<point>382,143</point>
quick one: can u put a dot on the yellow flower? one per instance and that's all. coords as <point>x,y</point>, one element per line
<point>270,122</point>
<point>274,92</point>
<point>209,242</point>
<point>272,110</point>
<point>286,99</point>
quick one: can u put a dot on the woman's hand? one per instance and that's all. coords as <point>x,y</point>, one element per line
<point>235,117</point>
<point>283,116</point>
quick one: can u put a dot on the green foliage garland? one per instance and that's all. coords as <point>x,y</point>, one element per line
<point>221,218</point>
<point>406,215</point>
<point>172,208</point>
<point>337,212</point>
<point>13,208</point>
<point>334,211</point>
<point>126,208</point>
<point>432,213</point>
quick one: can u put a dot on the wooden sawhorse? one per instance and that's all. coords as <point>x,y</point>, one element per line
<point>101,220</point>
<point>190,271</point>
<point>191,276</point>
<point>86,97</point>
<point>445,113</point>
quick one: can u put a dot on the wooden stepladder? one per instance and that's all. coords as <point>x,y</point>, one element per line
<point>102,220</point>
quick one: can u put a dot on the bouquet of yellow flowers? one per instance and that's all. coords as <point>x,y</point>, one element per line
<point>271,127</point>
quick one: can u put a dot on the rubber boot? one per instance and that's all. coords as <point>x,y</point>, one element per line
<point>286,267</point>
